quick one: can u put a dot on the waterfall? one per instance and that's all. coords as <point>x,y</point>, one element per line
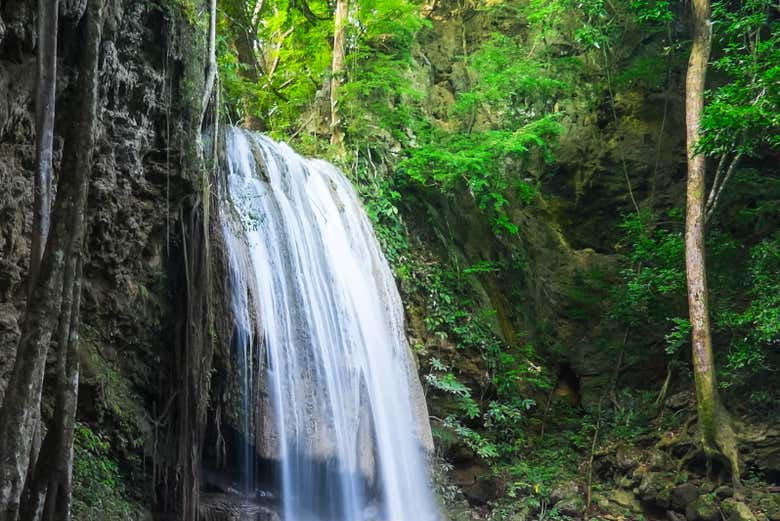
<point>333,398</point>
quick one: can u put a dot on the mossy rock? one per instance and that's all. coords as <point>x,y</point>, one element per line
<point>703,509</point>
<point>627,457</point>
<point>737,511</point>
<point>656,489</point>
<point>683,495</point>
<point>626,499</point>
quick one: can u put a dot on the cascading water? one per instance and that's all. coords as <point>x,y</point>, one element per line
<point>346,423</point>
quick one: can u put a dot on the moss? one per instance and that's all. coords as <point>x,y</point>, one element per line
<point>114,394</point>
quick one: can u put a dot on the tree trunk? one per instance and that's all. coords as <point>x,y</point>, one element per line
<point>65,413</point>
<point>337,72</point>
<point>48,492</point>
<point>46,88</point>
<point>715,429</point>
<point>23,393</point>
<point>211,65</point>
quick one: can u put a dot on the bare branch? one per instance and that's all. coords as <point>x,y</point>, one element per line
<point>732,167</point>
<point>256,14</point>
<point>718,174</point>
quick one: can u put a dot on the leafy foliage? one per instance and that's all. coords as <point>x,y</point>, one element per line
<point>98,487</point>
<point>744,113</point>
<point>755,329</point>
<point>653,273</point>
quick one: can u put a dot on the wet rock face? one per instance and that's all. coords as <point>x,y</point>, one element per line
<point>126,301</point>
<point>225,507</point>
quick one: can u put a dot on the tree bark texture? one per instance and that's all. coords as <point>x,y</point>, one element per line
<point>715,430</point>
<point>46,88</point>
<point>23,394</point>
<point>211,67</point>
<point>337,71</point>
<point>47,495</point>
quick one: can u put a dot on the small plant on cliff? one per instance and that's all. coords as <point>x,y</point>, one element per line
<point>99,491</point>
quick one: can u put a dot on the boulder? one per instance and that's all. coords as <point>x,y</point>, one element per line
<point>736,511</point>
<point>702,509</point>
<point>683,495</point>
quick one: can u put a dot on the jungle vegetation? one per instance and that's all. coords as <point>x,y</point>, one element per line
<point>696,278</point>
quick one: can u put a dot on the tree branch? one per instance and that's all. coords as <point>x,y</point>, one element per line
<point>711,207</point>
<point>718,174</point>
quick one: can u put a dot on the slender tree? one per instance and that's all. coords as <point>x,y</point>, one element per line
<point>46,87</point>
<point>337,71</point>
<point>211,64</point>
<point>715,428</point>
<point>58,267</point>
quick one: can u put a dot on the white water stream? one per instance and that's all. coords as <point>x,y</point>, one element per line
<point>347,419</point>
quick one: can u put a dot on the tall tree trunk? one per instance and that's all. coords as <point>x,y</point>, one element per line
<point>23,393</point>
<point>48,492</point>
<point>59,493</point>
<point>46,88</point>
<point>715,428</point>
<point>337,72</point>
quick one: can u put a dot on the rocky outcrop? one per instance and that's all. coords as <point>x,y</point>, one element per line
<point>135,200</point>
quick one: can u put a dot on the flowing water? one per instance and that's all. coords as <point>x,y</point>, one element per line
<point>338,406</point>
